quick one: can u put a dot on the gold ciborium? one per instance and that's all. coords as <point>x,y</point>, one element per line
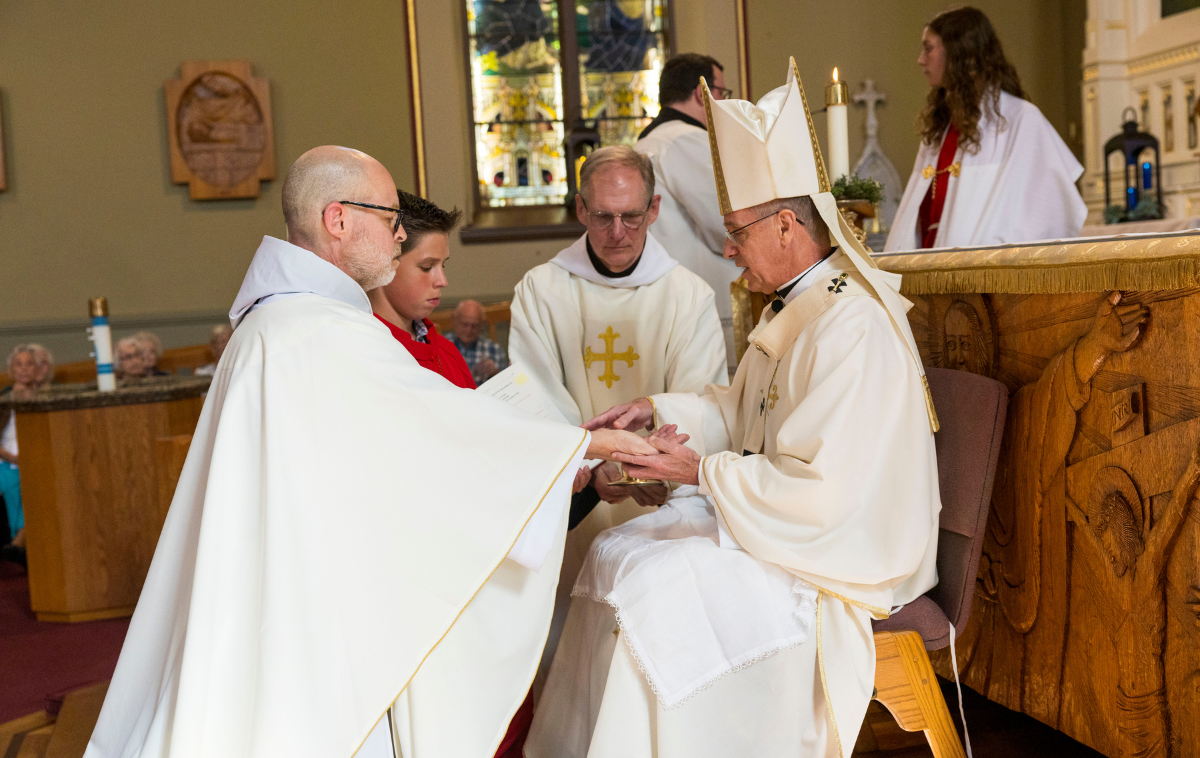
<point>628,481</point>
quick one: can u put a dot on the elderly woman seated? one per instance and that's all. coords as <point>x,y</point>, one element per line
<point>152,349</point>
<point>23,368</point>
<point>131,360</point>
<point>45,365</point>
<point>217,340</point>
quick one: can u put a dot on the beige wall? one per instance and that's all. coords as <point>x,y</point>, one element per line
<point>90,209</point>
<point>880,40</point>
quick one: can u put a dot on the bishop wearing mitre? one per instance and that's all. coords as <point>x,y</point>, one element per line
<point>738,621</point>
<point>323,556</point>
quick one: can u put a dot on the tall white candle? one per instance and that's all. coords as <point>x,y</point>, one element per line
<point>837,96</point>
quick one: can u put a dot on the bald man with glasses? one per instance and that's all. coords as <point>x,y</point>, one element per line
<point>612,318</point>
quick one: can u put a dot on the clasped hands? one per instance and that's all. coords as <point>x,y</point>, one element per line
<point>662,455</point>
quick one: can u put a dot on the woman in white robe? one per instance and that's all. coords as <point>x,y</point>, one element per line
<point>991,169</point>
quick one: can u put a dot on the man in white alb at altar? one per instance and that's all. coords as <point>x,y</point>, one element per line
<point>689,222</point>
<point>738,622</point>
<point>324,556</point>
<point>991,170</point>
<point>614,317</point>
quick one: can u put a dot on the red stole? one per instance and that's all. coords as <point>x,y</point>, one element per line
<point>439,355</point>
<point>929,217</point>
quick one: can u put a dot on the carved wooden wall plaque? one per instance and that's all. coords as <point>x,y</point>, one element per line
<point>220,132</point>
<point>1087,607</point>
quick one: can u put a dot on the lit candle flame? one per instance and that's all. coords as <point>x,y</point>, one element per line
<point>835,78</point>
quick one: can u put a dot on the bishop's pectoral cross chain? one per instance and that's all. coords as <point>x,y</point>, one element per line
<point>609,356</point>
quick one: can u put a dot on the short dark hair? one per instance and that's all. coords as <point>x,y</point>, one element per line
<point>682,73</point>
<point>420,217</point>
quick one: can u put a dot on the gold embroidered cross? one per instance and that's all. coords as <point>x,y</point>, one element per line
<point>773,397</point>
<point>609,357</point>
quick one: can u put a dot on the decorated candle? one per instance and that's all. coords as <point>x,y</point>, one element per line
<point>101,337</point>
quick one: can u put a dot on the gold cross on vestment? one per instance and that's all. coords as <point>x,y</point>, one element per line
<point>609,357</point>
<point>773,397</point>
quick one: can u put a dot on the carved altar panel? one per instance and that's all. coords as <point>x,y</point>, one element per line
<point>1087,607</point>
<point>219,130</point>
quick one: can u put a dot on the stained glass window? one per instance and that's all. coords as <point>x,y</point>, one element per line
<point>520,117</point>
<point>622,49</point>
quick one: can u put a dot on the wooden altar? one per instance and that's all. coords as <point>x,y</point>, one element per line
<point>1087,610</point>
<point>95,490</point>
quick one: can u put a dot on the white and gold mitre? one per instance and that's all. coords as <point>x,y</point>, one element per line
<point>766,151</point>
<point>769,151</point>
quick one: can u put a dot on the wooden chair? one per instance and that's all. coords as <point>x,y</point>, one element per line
<point>190,357</point>
<point>972,410</point>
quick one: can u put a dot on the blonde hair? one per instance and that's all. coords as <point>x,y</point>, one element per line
<point>617,155</point>
<point>24,347</point>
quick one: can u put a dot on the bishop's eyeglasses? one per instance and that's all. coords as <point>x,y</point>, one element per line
<point>397,211</point>
<point>631,220</point>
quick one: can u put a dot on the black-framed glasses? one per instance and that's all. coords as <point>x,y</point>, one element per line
<point>724,92</point>
<point>631,220</point>
<point>729,234</point>
<point>397,211</point>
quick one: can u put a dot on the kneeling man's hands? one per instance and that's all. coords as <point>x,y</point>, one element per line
<point>632,416</point>
<point>674,462</point>
<point>608,442</point>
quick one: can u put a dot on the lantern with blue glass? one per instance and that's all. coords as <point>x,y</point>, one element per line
<point>1137,205</point>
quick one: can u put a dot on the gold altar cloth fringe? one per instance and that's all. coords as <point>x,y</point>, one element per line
<point>1131,262</point>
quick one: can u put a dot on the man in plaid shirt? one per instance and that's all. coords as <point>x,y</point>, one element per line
<point>486,358</point>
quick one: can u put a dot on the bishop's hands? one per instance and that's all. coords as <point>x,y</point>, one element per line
<point>1115,330</point>
<point>672,461</point>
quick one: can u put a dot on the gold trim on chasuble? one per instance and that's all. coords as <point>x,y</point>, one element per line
<point>609,356</point>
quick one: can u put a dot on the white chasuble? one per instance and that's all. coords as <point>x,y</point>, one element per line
<point>327,547</point>
<point>689,224</point>
<point>1018,186</point>
<point>594,341</point>
<point>819,459</point>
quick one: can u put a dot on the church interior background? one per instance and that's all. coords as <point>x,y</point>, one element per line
<point>491,105</point>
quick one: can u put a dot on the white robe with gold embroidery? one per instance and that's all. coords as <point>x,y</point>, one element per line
<point>820,461</point>
<point>593,342</point>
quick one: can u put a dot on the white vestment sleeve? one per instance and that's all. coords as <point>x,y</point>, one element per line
<point>537,537</point>
<point>696,351</point>
<point>698,416</point>
<point>532,346</point>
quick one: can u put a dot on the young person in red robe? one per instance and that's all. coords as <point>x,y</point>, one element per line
<point>404,306</point>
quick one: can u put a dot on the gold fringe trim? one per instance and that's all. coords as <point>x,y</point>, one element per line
<point>1132,274</point>
<point>933,419</point>
<point>825,680</point>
